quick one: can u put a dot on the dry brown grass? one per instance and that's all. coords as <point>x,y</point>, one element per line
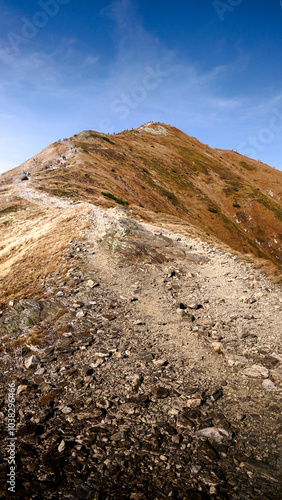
<point>40,252</point>
<point>63,329</point>
<point>36,337</point>
<point>19,342</point>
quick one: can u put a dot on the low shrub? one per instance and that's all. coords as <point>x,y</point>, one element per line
<point>113,197</point>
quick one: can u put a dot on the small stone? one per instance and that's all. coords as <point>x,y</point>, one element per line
<point>217,395</point>
<point>77,305</point>
<point>65,409</point>
<point>109,317</point>
<point>160,362</point>
<point>176,439</point>
<point>40,371</point>
<point>193,403</point>
<point>276,374</point>
<point>184,421</point>
<point>60,294</point>
<point>80,314</point>
<point>163,458</point>
<point>103,403</point>
<point>256,371</point>
<point>45,387</point>
<point>195,469</point>
<point>191,390</point>
<point>117,436</point>
<point>95,413</point>
<point>102,353</point>
<point>217,346</point>
<point>160,392</point>
<point>173,412</point>
<point>91,284</point>
<point>97,363</point>
<point>269,385</point>
<point>146,356</point>
<point>11,303</point>
<point>117,355</point>
<point>61,446</point>
<point>136,382</point>
<point>215,434</point>
<point>21,388</point>
<point>236,360</point>
<point>31,361</point>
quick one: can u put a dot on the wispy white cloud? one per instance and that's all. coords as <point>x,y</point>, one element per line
<point>90,61</point>
<point>226,104</point>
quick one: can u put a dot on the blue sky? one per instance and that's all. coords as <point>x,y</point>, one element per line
<point>209,67</point>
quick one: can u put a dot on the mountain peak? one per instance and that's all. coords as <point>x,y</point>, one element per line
<point>158,169</point>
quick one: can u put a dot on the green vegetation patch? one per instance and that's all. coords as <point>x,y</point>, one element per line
<point>260,235</point>
<point>98,136</point>
<point>106,139</point>
<point>117,200</point>
<point>242,217</point>
<point>64,194</point>
<point>247,166</point>
<point>232,187</point>
<point>261,254</point>
<point>267,203</point>
<point>189,156</point>
<point>168,194</point>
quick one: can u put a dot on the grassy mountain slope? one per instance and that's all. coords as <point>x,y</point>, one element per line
<point>157,168</point>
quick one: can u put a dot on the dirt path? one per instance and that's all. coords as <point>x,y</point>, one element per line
<point>215,322</point>
<point>245,307</point>
<point>241,299</point>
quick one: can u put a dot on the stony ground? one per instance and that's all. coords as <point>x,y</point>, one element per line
<point>155,372</point>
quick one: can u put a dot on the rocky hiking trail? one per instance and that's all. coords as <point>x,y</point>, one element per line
<point>157,375</point>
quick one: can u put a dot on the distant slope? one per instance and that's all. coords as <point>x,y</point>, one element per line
<point>158,168</point>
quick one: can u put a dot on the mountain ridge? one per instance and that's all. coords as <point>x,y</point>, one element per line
<point>158,168</point>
